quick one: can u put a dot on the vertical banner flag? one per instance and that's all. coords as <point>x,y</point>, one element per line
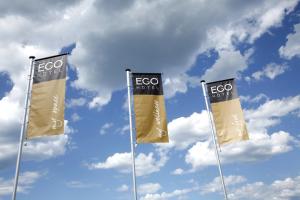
<point>227,111</point>
<point>46,114</point>
<point>149,107</point>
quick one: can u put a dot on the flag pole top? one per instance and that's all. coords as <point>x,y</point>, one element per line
<point>202,81</point>
<point>127,70</point>
<point>32,57</point>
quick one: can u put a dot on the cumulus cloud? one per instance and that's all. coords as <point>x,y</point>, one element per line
<point>286,189</point>
<point>99,101</point>
<point>123,130</point>
<point>148,188</point>
<point>32,8</point>
<point>178,84</point>
<point>80,185</point>
<point>75,117</point>
<point>270,71</point>
<point>169,41</point>
<point>40,148</point>
<point>105,127</point>
<point>229,65</point>
<point>262,145</point>
<point>184,131</point>
<point>145,164</point>
<point>292,46</point>
<point>216,186</point>
<point>45,148</point>
<point>123,188</point>
<point>178,171</point>
<point>255,99</point>
<point>26,182</point>
<point>76,102</point>
<point>178,194</point>
<point>269,113</point>
<point>137,43</point>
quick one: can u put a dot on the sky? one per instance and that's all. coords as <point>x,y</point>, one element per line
<point>256,42</point>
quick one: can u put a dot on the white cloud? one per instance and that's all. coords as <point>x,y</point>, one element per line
<point>261,144</point>
<point>272,17</point>
<point>105,128</point>
<point>184,131</point>
<point>179,194</point>
<point>123,130</point>
<point>119,161</point>
<point>33,11</point>
<point>100,101</point>
<point>80,185</point>
<point>255,99</point>
<point>262,147</point>
<point>26,182</point>
<point>193,132</point>
<point>215,185</point>
<point>200,155</point>
<point>287,189</point>
<point>123,188</point>
<point>76,102</point>
<point>178,171</point>
<point>178,84</point>
<point>148,188</point>
<point>42,148</point>
<point>245,28</point>
<point>125,104</point>
<point>145,164</point>
<point>167,41</point>
<point>275,108</point>
<point>292,46</point>
<point>239,189</point>
<point>39,148</point>
<point>270,71</point>
<point>75,117</point>
<point>229,65</point>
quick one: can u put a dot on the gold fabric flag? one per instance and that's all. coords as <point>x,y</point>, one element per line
<point>149,107</point>
<point>227,111</point>
<point>46,114</point>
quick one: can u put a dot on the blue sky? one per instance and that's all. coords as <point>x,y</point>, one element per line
<point>257,42</point>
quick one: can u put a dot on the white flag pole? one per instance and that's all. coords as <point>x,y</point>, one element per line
<point>214,138</point>
<point>23,130</point>
<point>128,73</point>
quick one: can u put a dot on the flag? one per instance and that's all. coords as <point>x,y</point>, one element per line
<point>149,107</point>
<point>227,111</point>
<point>46,114</point>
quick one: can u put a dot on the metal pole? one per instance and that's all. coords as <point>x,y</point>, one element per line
<point>128,72</point>
<point>23,130</point>
<point>214,138</point>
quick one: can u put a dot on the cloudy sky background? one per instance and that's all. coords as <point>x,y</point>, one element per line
<point>257,42</point>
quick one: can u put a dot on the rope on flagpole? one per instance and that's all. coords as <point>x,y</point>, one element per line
<point>214,138</point>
